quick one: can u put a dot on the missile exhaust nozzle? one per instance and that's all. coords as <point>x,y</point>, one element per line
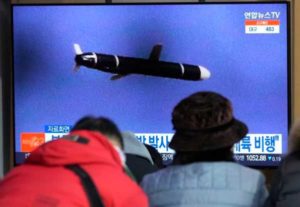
<point>78,57</point>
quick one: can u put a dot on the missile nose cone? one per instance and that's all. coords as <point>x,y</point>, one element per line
<point>205,73</point>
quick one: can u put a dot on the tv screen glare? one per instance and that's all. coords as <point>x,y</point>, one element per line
<point>244,46</point>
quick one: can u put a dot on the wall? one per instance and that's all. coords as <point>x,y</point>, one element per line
<point>57,1</point>
<point>296,76</point>
<point>1,130</point>
<point>4,61</point>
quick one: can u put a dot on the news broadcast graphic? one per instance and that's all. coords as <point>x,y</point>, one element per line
<point>244,46</point>
<point>262,22</point>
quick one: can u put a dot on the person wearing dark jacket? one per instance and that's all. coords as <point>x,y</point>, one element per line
<point>285,188</point>
<point>156,157</point>
<point>48,179</point>
<point>138,158</point>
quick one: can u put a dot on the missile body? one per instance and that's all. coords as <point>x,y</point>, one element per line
<point>152,66</point>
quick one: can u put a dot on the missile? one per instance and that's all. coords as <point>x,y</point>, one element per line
<point>122,66</point>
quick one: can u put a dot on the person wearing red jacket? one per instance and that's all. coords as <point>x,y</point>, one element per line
<point>45,179</point>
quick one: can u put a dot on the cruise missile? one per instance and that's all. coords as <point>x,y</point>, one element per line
<point>122,66</point>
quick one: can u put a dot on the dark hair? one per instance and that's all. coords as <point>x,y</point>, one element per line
<point>102,125</point>
<point>223,154</point>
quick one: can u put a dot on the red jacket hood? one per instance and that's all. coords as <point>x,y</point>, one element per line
<point>64,152</point>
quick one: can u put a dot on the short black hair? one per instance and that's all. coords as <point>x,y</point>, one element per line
<point>102,125</point>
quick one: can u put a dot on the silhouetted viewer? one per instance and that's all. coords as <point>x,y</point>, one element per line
<point>285,188</point>
<point>84,168</point>
<point>203,172</point>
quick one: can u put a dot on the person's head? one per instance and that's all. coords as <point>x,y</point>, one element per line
<point>204,124</point>
<point>102,125</point>
<point>294,137</point>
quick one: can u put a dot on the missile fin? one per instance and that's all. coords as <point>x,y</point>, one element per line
<point>76,68</point>
<point>118,76</point>
<point>155,53</point>
<point>77,49</point>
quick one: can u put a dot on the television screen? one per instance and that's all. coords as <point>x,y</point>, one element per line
<point>135,62</point>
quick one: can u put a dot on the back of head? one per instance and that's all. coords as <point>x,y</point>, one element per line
<point>102,125</point>
<point>204,122</point>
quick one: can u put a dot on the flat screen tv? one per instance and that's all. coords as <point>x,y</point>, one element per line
<point>137,63</point>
